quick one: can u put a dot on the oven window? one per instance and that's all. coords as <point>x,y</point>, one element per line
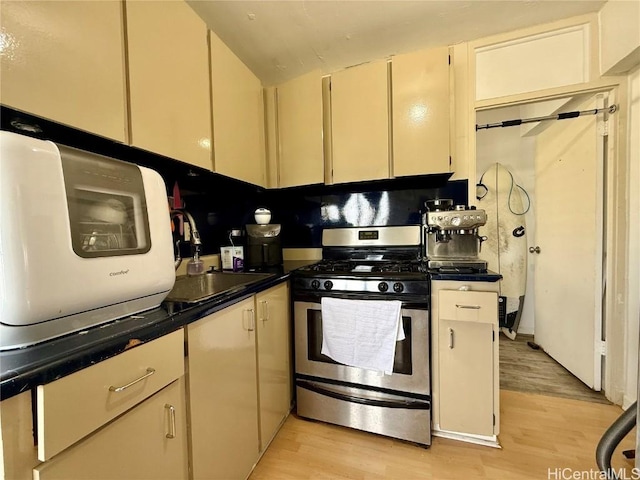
<point>402,360</point>
<point>106,205</point>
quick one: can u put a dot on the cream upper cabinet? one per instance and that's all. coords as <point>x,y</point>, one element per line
<point>421,104</point>
<point>223,393</point>
<point>64,61</point>
<point>169,81</point>
<point>517,64</point>
<point>238,117</point>
<point>274,359</point>
<point>360,123</point>
<point>299,119</point>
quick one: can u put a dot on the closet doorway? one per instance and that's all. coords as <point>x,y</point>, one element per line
<point>561,166</point>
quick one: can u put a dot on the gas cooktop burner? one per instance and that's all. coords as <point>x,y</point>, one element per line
<point>367,262</point>
<point>359,267</point>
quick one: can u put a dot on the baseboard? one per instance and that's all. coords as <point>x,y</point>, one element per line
<point>484,440</point>
<point>525,331</point>
<point>627,401</point>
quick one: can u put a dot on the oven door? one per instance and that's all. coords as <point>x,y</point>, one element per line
<point>411,365</point>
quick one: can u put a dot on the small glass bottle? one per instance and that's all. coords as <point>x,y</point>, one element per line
<point>195,265</point>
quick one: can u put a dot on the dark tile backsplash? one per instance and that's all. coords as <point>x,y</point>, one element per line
<point>391,203</point>
<point>219,203</point>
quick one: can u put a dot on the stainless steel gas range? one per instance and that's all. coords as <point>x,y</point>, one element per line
<point>371,265</point>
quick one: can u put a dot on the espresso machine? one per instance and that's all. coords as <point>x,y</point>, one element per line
<point>451,238</point>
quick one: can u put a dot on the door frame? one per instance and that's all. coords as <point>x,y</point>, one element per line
<point>612,371</point>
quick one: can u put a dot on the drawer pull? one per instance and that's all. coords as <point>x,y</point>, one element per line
<point>472,307</point>
<point>451,334</point>
<point>150,371</point>
<point>172,420</point>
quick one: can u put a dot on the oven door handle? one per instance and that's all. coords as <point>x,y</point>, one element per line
<point>415,405</point>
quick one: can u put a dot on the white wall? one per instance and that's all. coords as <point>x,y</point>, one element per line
<point>517,153</point>
<point>619,36</point>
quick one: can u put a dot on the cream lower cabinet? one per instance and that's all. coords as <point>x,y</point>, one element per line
<point>465,359</point>
<point>122,418</point>
<point>147,442</point>
<point>239,385</point>
<point>19,453</point>
<point>223,393</point>
<point>466,387</point>
<point>274,360</point>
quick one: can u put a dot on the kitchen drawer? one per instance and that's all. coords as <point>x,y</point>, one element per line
<point>149,442</point>
<point>72,407</point>
<point>468,306</point>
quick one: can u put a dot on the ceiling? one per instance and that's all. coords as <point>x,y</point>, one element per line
<point>282,39</point>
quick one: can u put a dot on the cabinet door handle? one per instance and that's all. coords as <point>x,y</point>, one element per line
<point>172,420</point>
<point>265,310</point>
<point>472,307</point>
<point>451,334</point>
<point>252,320</point>
<point>150,371</point>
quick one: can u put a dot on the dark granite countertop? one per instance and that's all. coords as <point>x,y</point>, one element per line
<point>25,368</point>
<point>488,276</point>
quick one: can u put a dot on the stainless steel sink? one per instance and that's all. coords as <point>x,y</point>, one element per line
<point>202,287</point>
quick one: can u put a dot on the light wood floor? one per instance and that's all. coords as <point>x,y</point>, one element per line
<point>537,433</point>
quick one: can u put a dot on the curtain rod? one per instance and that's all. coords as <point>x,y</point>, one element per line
<point>560,116</point>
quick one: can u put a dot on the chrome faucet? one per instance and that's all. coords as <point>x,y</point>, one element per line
<point>196,243</point>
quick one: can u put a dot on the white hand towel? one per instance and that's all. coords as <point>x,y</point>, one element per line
<point>362,333</point>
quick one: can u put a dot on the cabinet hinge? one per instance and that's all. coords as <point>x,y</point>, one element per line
<point>603,348</point>
<point>603,128</point>
<point>449,59</point>
<point>493,335</point>
<point>450,162</point>
<point>494,419</point>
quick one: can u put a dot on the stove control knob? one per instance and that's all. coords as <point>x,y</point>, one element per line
<point>328,285</point>
<point>398,287</point>
<point>383,287</point>
<point>315,284</point>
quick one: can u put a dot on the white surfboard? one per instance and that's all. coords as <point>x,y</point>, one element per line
<point>505,249</point>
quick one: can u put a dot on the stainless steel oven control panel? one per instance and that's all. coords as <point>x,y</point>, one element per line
<point>374,285</point>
